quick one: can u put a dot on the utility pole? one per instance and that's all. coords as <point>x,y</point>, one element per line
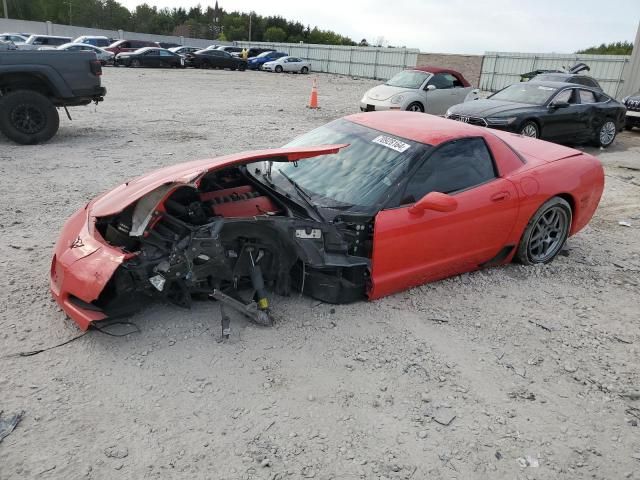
<point>6,10</point>
<point>249,26</point>
<point>69,11</point>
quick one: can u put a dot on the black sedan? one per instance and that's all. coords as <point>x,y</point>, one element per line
<point>150,57</point>
<point>560,112</point>
<point>215,59</point>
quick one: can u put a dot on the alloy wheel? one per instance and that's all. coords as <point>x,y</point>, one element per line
<point>548,234</point>
<point>607,133</point>
<point>28,119</point>
<point>529,130</point>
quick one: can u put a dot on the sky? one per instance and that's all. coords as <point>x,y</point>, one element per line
<point>454,26</point>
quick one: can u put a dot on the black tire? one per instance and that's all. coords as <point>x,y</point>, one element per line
<point>304,70</point>
<point>278,69</point>
<point>135,63</point>
<point>530,129</point>
<point>242,68</point>
<point>542,232</point>
<point>415,107</point>
<point>606,134</point>
<point>28,117</point>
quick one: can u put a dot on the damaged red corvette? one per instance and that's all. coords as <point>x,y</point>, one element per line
<point>359,208</point>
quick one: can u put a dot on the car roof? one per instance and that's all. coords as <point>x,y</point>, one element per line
<point>433,69</point>
<point>423,128</point>
<point>557,85</point>
<point>78,44</point>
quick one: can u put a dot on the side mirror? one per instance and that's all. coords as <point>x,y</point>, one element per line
<point>430,88</point>
<point>436,201</point>
<point>556,105</point>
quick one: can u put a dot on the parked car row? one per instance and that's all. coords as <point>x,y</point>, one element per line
<point>143,53</point>
<point>560,106</point>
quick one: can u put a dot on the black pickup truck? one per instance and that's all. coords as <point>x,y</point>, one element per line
<point>34,84</point>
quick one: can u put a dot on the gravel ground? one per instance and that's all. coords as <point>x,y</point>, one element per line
<point>513,372</point>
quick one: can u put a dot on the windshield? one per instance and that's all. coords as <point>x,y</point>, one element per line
<point>408,79</point>
<point>358,175</point>
<point>525,93</point>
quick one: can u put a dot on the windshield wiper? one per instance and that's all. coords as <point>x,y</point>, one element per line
<point>302,193</point>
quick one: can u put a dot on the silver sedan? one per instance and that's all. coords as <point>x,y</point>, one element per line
<point>287,64</point>
<point>102,55</point>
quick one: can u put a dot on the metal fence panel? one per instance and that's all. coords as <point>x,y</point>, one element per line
<point>500,69</point>
<point>368,62</point>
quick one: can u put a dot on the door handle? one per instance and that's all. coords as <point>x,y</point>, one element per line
<point>496,197</point>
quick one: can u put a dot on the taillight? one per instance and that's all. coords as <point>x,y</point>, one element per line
<point>96,68</point>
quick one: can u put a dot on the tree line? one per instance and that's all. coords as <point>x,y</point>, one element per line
<point>614,48</point>
<point>195,22</point>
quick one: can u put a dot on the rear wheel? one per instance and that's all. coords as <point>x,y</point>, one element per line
<point>28,117</point>
<point>606,134</point>
<point>278,69</point>
<point>415,107</point>
<point>135,62</point>
<point>530,129</point>
<point>545,233</point>
<point>304,70</point>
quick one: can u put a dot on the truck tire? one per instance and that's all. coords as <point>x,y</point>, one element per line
<point>28,117</point>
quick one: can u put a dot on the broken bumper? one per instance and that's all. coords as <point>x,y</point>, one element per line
<point>80,269</point>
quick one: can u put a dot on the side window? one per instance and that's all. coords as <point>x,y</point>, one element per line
<point>442,80</point>
<point>587,96</point>
<point>40,41</point>
<point>564,96</point>
<point>164,53</point>
<point>456,166</point>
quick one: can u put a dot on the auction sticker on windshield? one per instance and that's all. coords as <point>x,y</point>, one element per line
<point>392,143</point>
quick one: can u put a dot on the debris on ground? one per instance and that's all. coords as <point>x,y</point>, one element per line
<point>8,424</point>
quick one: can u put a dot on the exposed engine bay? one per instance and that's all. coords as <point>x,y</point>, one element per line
<point>226,235</point>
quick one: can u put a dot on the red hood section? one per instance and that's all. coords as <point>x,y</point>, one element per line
<point>124,195</point>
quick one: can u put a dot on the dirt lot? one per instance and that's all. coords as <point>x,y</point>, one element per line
<point>513,372</point>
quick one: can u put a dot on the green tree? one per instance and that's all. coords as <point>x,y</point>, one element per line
<point>275,34</point>
<point>615,48</point>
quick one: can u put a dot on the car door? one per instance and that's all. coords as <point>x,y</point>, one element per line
<point>293,64</point>
<point>411,249</point>
<point>444,95</point>
<point>590,116</point>
<point>167,59</point>
<point>562,123</point>
<point>150,58</point>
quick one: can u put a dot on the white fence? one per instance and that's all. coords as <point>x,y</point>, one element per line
<point>367,62</point>
<point>500,69</point>
<point>48,28</point>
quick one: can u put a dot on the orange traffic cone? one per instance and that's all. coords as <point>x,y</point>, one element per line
<point>313,99</point>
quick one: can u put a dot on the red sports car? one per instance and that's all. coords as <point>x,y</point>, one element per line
<point>362,207</point>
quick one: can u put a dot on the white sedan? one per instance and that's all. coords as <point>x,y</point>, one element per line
<point>287,64</point>
<point>420,89</point>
